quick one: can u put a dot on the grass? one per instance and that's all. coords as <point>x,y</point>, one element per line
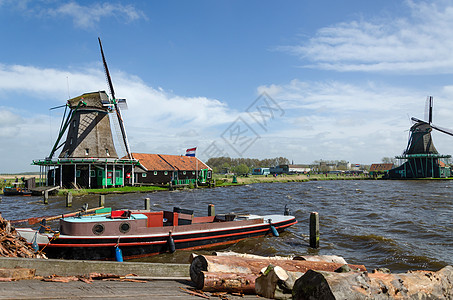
<point>227,180</point>
<point>116,190</point>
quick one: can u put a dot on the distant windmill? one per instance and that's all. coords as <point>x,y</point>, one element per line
<point>420,141</point>
<point>422,158</point>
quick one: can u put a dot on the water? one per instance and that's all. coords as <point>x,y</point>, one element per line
<point>400,225</point>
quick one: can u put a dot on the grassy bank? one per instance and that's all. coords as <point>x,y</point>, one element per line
<point>221,180</point>
<point>117,190</point>
<point>224,180</point>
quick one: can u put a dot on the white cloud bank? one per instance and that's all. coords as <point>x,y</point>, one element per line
<point>156,121</point>
<point>419,43</point>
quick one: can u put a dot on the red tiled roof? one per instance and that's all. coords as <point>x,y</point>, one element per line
<point>380,167</point>
<point>165,162</point>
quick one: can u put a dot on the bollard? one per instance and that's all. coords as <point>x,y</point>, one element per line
<point>69,199</point>
<point>211,210</point>
<point>46,197</point>
<point>147,204</point>
<point>314,230</point>
<point>101,200</point>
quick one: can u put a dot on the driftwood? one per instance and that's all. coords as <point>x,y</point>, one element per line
<point>12,244</point>
<point>362,285</point>
<point>203,264</point>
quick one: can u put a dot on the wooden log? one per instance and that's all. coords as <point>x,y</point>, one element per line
<point>244,265</point>
<point>362,285</point>
<point>276,283</point>
<point>228,282</point>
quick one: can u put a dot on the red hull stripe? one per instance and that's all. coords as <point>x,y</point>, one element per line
<point>176,240</point>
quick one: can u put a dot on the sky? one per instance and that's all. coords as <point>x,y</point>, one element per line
<point>305,80</point>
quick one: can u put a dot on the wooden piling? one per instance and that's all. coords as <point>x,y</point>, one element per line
<point>101,200</point>
<point>69,199</point>
<point>314,230</point>
<point>46,197</point>
<point>211,210</point>
<point>147,204</point>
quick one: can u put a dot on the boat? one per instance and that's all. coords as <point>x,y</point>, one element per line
<point>16,190</point>
<point>132,234</point>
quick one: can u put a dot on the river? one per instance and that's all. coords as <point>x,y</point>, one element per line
<point>400,225</point>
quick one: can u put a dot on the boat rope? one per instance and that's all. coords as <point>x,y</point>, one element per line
<point>55,236</point>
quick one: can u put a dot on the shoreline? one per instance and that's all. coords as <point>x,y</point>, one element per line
<point>220,181</point>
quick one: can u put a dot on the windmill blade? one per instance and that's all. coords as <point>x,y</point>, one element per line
<point>417,120</point>
<point>117,109</point>
<point>106,69</point>
<point>444,130</point>
<point>122,104</point>
<point>429,109</point>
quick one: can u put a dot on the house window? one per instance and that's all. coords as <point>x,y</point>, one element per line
<point>143,174</point>
<point>155,172</point>
<point>87,151</point>
<point>100,173</point>
<point>70,141</point>
<point>74,123</point>
<point>193,172</point>
<point>92,173</point>
<point>78,173</point>
<point>165,173</point>
<point>117,174</point>
<point>107,152</point>
<point>184,172</point>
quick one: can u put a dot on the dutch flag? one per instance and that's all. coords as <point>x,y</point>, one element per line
<point>191,151</point>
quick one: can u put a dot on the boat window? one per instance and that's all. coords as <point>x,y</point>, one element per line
<point>125,227</point>
<point>98,229</point>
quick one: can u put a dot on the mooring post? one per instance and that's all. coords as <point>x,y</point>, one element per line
<point>46,197</point>
<point>314,230</point>
<point>101,200</point>
<point>69,199</point>
<point>211,210</point>
<point>147,204</point>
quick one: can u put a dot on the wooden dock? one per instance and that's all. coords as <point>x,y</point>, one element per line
<point>40,190</point>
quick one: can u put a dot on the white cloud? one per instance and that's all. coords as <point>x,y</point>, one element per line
<point>88,16</point>
<point>83,16</point>
<point>156,121</point>
<point>419,43</point>
<point>337,120</point>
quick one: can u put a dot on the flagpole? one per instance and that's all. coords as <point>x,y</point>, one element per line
<point>196,180</point>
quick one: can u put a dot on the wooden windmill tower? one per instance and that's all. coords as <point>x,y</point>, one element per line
<point>88,157</point>
<point>422,158</point>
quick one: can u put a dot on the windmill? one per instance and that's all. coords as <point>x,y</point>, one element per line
<point>88,157</point>
<point>421,155</point>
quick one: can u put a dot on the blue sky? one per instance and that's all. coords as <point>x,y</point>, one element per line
<point>306,80</point>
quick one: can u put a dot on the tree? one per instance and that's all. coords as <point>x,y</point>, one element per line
<point>241,169</point>
<point>389,160</point>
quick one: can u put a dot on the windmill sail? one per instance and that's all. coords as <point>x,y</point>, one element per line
<point>115,103</point>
